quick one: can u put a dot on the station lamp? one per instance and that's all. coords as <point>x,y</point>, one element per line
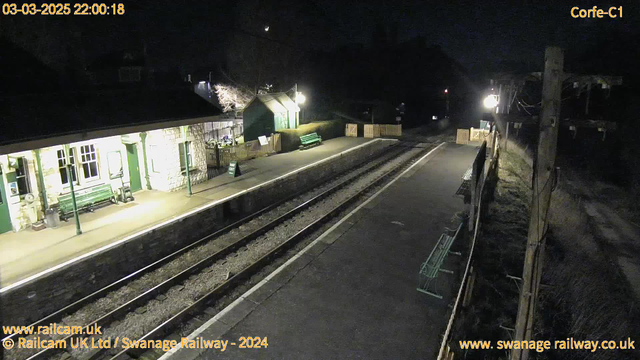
<point>490,101</point>
<point>300,99</point>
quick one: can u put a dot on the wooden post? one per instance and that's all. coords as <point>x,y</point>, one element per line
<point>542,184</point>
<point>473,187</point>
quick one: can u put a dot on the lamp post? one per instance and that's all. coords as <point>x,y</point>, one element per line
<point>73,194</point>
<point>299,99</point>
<point>446,94</point>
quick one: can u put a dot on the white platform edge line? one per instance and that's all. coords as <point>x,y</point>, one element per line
<point>179,217</point>
<point>230,307</point>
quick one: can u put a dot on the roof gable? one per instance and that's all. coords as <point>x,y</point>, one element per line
<point>276,102</point>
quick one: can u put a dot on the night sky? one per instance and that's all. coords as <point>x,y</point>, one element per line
<point>194,34</point>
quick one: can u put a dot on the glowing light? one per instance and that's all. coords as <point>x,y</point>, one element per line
<point>300,99</point>
<point>490,101</point>
<point>446,91</point>
<point>266,28</point>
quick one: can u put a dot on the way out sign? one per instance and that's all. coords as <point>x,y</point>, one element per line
<point>234,169</point>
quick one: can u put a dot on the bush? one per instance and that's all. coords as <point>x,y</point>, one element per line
<point>326,129</point>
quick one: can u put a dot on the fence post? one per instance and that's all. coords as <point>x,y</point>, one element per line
<point>217,151</point>
<point>473,188</point>
<point>543,178</point>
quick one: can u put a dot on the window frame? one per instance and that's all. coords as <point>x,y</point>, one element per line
<point>74,163</point>
<point>86,158</point>
<point>24,169</point>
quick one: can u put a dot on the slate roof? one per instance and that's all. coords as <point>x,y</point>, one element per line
<point>276,102</point>
<point>40,116</point>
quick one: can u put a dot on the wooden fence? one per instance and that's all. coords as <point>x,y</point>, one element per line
<point>371,130</point>
<point>390,130</point>
<point>351,130</point>
<point>221,157</point>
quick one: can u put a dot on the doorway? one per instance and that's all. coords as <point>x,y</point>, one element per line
<point>134,167</point>
<point>5,217</point>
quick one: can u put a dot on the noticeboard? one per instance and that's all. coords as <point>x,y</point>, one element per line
<point>234,169</point>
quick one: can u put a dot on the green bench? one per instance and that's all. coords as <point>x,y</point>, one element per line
<point>310,139</point>
<point>428,275</point>
<point>86,199</point>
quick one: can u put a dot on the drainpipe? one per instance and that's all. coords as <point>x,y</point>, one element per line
<point>185,129</point>
<point>143,138</point>
<point>43,191</point>
<point>73,193</point>
<point>186,162</point>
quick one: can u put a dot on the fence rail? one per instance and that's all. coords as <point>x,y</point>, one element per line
<point>481,171</point>
<point>221,157</point>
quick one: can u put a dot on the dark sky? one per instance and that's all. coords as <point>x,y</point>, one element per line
<point>478,34</point>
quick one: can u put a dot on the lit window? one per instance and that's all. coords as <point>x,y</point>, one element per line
<point>62,166</point>
<point>89,162</point>
<point>22,176</point>
<point>181,151</point>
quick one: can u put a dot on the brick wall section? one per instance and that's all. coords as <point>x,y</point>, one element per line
<point>59,288</point>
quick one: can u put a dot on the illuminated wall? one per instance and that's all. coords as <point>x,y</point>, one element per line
<point>162,159</point>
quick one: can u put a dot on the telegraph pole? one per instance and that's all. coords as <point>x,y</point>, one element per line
<point>543,180</point>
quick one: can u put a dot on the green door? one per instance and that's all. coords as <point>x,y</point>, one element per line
<point>134,168</point>
<point>5,218</point>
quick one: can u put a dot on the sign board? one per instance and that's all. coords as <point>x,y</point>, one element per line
<point>398,118</point>
<point>13,189</point>
<point>263,140</point>
<point>234,169</point>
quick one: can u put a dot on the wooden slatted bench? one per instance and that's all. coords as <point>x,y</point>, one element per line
<point>464,188</point>
<point>428,275</point>
<point>309,140</point>
<point>86,199</point>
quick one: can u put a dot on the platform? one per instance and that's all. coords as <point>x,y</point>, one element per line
<point>352,292</point>
<point>27,253</point>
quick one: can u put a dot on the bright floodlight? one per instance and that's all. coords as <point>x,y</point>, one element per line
<point>300,99</point>
<point>266,28</point>
<point>490,101</point>
<point>446,91</point>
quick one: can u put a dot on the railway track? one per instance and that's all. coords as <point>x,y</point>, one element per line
<point>379,169</point>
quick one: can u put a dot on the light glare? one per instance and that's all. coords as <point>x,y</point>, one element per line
<point>490,101</point>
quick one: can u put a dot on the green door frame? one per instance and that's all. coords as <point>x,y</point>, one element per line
<point>134,167</point>
<point>5,216</point>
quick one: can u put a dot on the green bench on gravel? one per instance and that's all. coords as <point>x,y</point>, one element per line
<point>430,269</point>
<point>86,199</point>
<point>310,139</point>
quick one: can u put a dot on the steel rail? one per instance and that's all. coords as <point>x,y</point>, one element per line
<point>59,314</point>
<point>197,267</point>
<point>253,268</point>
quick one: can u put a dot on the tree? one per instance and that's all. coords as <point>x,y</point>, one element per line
<point>232,98</point>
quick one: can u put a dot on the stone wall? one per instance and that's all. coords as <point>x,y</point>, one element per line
<point>54,290</point>
<point>164,157</point>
